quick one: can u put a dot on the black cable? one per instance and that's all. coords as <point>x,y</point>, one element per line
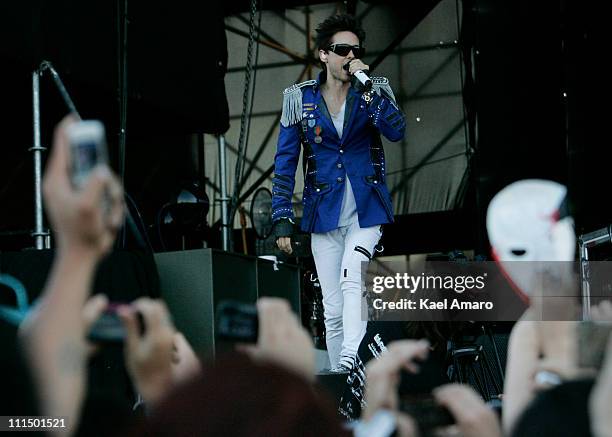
<point>243,120</point>
<point>122,26</point>
<point>123,91</point>
<point>248,124</point>
<point>248,130</point>
<point>142,229</point>
<point>463,185</point>
<point>462,75</point>
<point>245,104</point>
<point>158,224</point>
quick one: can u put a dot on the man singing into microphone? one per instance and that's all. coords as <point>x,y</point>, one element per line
<point>338,120</point>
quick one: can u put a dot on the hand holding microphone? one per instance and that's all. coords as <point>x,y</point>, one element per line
<point>357,68</point>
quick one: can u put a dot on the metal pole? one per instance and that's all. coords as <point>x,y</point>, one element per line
<point>586,286</point>
<point>40,235</point>
<point>586,241</point>
<point>225,226</point>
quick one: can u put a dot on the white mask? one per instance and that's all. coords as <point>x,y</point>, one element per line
<point>523,225</point>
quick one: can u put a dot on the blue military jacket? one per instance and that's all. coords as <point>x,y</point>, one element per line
<point>330,159</point>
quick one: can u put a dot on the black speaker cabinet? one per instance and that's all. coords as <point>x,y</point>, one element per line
<point>193,282</point>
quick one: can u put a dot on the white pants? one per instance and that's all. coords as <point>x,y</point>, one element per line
<point>338,265</point>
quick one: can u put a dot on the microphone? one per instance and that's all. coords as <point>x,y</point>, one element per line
<point>360,75</point>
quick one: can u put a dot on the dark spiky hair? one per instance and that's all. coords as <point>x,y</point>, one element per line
<point>334,24</point>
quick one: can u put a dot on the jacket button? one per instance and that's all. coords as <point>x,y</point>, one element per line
<point>375,182</point>
<point>341,151</point>
<point>339,179</point>
<point>318,189</point>
<point>339,165</point>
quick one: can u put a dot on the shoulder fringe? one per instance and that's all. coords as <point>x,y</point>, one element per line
<point>382,84</point>
<point>292,103</point>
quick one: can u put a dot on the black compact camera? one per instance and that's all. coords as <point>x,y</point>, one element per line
<point>426,412</point>
<point>416,399</point>
<point>109,327</point>
<point>237,322</point>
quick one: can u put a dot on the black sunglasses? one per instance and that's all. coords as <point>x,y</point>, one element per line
<point>345,49</point>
